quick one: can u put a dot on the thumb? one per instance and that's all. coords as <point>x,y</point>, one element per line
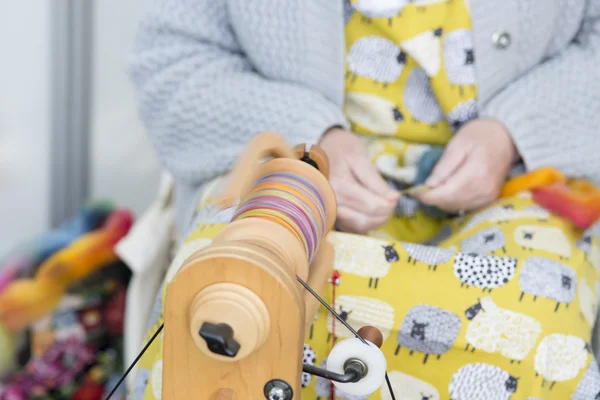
<point>449,162</point>
<point>367,174</point>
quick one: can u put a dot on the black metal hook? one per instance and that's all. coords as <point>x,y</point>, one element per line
<point>354,371</point>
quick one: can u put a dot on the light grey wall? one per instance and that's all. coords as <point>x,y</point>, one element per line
<point>69,128</point>
<point>123,166</point>
<point>25,120</point>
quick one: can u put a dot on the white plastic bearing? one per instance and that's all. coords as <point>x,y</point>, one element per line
<point>369,354</point>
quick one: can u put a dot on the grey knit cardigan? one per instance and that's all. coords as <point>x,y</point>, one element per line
<point>210,74</point>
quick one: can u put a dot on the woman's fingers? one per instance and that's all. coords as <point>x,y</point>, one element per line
<point>369,177</point>
<point>353,221</point>
<point>451,160</point>
<point>456,192</point>
<point>351,194</point>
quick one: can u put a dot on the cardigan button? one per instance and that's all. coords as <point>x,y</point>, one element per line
<point>501,40</point>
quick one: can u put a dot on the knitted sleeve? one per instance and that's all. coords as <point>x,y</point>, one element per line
<point>201,99</point>
<point>553,112</point>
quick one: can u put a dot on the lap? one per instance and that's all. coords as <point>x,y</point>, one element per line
<point>508,293</point>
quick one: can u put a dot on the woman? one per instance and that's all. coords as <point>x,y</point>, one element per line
<point>384,86</point>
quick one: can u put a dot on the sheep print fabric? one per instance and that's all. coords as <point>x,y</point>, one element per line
<point>410,83</point>
<point>503,308</point>
<point>497,305</point>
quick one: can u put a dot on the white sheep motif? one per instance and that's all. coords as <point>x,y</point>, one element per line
<point>380,8</point>
<point>588,302</point>
<point>459,59</point>
<point>462,113</point>
<point>425,49</point>
<point>494,329</point>
<point>359,311</point>
<point>468,5</point>
<point>594,256</point>
<point>381,234</point>
<point>398,173</point>
<point>312,326</point>
<point>487,240</point>
<point>589,385</point>
<point>594,230</point>
<point>504,213</point>
<point>423,3</point>
<point>429,330</point>
<point>156,310</point>
<point>389,166</point>
<point>532,212</point>
<point>591,249</point>
<point>414,151</point>
<point>374,147</point>
<point>220,216</point>
<point>481,381</point>
<point>545,238</point>
<point>548,278</point>
<point>156,381</point>
<point>323,389</point>
<point>429,255</point>
<point>372,112</point>
<point>375,58</point>
<point>560,357</point>
<point>185,251</point>
<point>140,383</point>
<point>419,99</point>
<point>408,387</point>
<point>362,256</point>
<point>485,272</point>
<point>525,194</point>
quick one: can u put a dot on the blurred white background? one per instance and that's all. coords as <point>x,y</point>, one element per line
<point>57,54</point>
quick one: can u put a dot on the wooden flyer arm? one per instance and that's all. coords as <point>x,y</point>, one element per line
<point>244,173</point>
<point>266,145</point>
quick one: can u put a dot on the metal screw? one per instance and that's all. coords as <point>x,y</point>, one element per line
<point>276,389</point>
<point>276,394</point>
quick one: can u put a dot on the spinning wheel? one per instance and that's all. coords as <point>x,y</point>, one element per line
<point>237,311</point>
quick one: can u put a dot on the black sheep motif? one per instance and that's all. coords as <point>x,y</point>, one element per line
<point>391,255</point>
<point>472,311</point>
<point>344,314</point>
<point>418,330</point>
<point>429,330</point>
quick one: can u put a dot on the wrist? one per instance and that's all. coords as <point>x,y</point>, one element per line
<point>514,151</point>
<point>331,131</point>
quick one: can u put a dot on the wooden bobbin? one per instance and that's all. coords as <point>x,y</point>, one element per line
<point>244,283</point>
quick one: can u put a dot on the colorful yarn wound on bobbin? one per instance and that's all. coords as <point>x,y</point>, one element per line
<point>293,202</point>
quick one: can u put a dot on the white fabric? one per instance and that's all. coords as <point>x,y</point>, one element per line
<point>146,251</point>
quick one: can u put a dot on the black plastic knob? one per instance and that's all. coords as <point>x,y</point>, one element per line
<point>219,339</point>
<point>306,158</point>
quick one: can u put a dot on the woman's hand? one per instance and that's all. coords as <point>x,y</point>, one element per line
<point>364,199</point>
<point>473,168</point>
